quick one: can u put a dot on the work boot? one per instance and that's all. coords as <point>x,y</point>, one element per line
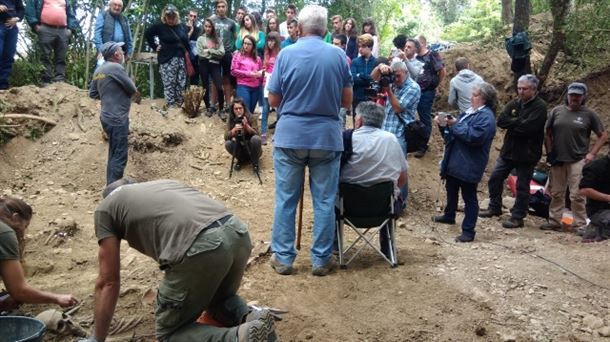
<point>486,213</point>
<point>513,223</point>
<point>237,166</point>
<point>257,330</point>
<point>280,268</point>
<point>265,316</point>
<point>551,226</point>
<point>419,154</point>
<point>321,271</point>
<point>442,219</point>
<point>463,238</point>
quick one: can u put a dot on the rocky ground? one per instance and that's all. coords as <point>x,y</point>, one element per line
<point>517,285</point>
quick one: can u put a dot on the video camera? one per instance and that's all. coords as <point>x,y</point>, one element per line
<point>386,80</point>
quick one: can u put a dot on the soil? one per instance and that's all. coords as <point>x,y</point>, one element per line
<point>509,285</point>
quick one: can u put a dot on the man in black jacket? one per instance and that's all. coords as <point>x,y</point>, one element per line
<point>523,119</point>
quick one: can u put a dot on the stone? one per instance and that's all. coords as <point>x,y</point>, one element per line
<point>604,331</point>
<point>73,136</point>
<point>593,322</point>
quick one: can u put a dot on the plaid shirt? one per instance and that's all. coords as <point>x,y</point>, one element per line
<point>408,97</point>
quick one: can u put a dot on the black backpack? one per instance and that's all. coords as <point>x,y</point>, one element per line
<point>518,46</point>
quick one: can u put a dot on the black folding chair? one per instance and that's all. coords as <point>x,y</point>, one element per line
<point>367,210</point>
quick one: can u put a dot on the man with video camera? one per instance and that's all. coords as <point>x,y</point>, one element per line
<point>241,139</point>
<point>401,105</point>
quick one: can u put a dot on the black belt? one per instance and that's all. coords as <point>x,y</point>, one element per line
<point>219,222</point>
<point>55,26</point>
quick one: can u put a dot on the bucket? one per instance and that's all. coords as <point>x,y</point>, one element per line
<point>21,329</point>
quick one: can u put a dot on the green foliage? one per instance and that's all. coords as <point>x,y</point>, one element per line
<point>540,6</point>
<point>449,11</point>
<point>588,30</point>
<point>34,133</point>
<point>480,22</point>
<point>25,71</point>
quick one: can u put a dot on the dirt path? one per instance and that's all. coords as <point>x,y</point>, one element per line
<point>497,289</point>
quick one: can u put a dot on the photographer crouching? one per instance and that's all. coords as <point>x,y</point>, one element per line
<point>241,139</point>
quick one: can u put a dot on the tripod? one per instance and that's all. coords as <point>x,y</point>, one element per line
<point>240,142</point>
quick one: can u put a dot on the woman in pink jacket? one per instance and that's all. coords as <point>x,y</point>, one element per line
<point>247,68</point>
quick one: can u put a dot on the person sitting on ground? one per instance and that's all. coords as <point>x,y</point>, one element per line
<point>467,143</point>
<point>201,247</point>
<point>15,216</point>
<point>376,156</point>
<point>595,186</point>
<point>241,139</point>
<point>293,33</point>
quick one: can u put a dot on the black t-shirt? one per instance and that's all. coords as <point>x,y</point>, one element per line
<point>596,175</point>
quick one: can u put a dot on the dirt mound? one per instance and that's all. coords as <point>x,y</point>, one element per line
<point>498,288</point>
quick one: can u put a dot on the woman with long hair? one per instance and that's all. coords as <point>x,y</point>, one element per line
<point>368,26</point>
<point>247,68</point>
<point>350,31</point>
<point>248,27</point>
<point>242,125</point>
<point>272,49</point>
<point>173,42</point>
<point>15,216</point>
<point>210,51</point>
<point>272,26</point>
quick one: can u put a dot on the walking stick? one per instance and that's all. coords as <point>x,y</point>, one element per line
<point>300,221</point>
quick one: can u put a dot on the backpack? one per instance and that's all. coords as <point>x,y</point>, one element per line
<point>415,135</point>
<point>539,204</point>
<point>518,46</point>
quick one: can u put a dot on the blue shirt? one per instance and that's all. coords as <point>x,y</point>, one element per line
<point>118,35</point>
<point>408,96</point>
<point>287,42</point>
<point>310,76</point>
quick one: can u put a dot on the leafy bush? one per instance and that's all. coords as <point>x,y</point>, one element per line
<point>479,22</point>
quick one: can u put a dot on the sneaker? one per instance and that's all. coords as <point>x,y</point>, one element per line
<point>222,115</point>
<point>237,166</point>
<point>264,139</point>
<point>513,223</point>
<point>486,213</point>
<point>419,154</point>
<point>210,112</point>
<point>257,330</point>
<point>551,226</point>
<point>280,268</point>
<point>265,316</point>
<point>321,271</point>
<point>442,219</point>
<point>463,238</point>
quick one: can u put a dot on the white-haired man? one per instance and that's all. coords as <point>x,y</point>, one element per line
<point>112,26</point>
<point>309,134</point>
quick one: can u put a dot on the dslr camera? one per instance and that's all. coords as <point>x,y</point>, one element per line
<point>240,133</point>
<point>386,80</point>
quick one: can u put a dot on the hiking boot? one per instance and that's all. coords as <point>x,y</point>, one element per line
<point>237,166</point>
<point>321,271</point>
<point>487,213</point>
<point>264,139</point>
<point>551,226</point>
<point>513,223</point>
<point>280,268</point>
<point>442,219</point>
<point>419,154</point>
<point>463,238</point>
<point>265,316</point>
<point>257,330</point>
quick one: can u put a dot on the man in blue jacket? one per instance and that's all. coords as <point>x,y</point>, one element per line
<point>112,26</point>
<point>54,22</point>
<point>361,69</point>
<point>11,11</point>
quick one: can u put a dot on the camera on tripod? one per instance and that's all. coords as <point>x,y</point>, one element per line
<point>240,133</point>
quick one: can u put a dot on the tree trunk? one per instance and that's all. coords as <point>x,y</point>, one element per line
<point>522,16</point>
<point>507,12</point>
<point>560,10</point>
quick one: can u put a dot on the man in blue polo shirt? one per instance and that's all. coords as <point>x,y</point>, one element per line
<point>308,134</point>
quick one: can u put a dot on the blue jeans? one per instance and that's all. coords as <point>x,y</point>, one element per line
<point>289,165</point>
<point>249,94</point>
<point>471,204</point>
<point>265,116</point>
<point>424,108</point>
<point>117,151</point>
<point>8,47</point>
<point>496,183</point>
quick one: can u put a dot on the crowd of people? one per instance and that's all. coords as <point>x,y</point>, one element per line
<point>254,61</point>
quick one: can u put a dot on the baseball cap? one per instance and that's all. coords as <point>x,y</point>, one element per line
<point>109,48</point>
<point>577,88</point>
<point>171,9</point>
